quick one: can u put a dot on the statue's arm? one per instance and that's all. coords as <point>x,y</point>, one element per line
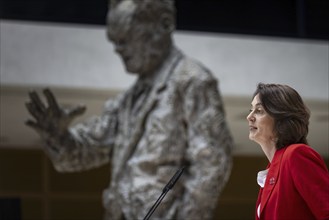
<point>70,148</point>
<point>209,150</point>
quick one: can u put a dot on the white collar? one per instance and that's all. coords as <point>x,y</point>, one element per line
<point>261,177</point>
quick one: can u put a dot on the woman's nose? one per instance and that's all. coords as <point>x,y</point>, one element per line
<point>250,117</point>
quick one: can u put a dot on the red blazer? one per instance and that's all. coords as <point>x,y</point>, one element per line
<point>296,187</point>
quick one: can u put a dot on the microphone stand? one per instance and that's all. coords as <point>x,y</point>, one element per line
<point>168,187</point>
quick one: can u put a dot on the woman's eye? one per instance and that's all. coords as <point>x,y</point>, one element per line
<point>257,110</point>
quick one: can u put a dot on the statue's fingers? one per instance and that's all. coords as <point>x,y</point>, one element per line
<point>77,111</point>
<point>53,105</point>
<point>37,101</point>
<point>33,125</point>
<point>31,107</point>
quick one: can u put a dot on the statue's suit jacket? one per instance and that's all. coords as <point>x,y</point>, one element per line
<point>296,187</point>
<point>179,121</point>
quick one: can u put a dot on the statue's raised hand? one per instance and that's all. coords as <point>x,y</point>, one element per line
<point>50,119</point>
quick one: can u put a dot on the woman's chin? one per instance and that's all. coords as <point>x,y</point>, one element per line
<point>252,137</point>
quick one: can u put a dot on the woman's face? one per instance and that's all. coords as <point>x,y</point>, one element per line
<point>261,124</point>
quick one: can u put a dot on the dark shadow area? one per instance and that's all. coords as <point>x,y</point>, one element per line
<point>306,19</point>
<point>10,208</point>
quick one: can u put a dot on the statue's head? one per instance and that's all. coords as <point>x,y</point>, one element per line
<point>141,32</point>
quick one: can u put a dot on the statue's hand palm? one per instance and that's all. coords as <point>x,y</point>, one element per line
<point>50,119</point>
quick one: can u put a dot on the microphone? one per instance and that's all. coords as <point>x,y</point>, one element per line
<point>173,180</point>
<point>168,187</point>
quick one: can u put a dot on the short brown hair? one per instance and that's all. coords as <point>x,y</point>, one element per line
<point>291,115</point>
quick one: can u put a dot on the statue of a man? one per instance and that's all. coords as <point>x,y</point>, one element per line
<point>171,117</point>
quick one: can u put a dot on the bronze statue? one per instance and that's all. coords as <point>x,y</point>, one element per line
<point>172,116</point>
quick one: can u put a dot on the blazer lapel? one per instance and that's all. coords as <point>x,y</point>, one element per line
<point>159,85</point>
<point>133,134</point>
<point>271,178</point>
<point>150,103</point>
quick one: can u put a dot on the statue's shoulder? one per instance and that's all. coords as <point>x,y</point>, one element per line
<point>192,70</point>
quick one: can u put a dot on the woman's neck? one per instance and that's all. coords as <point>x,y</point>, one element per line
<point>269,151</point>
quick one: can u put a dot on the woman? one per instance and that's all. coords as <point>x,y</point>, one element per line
<point>295,184</point>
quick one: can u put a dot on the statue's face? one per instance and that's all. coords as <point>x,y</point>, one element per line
<point>139,43</point>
